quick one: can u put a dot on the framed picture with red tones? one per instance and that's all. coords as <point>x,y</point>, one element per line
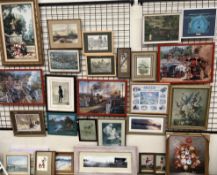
<point>186,63</point>
<point>102,97</point>
<point>21,87</point>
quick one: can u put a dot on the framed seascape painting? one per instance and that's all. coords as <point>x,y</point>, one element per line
<point>62,123</point>
<point>146,124</point>
<point>65,33</point>
<point>146,163</point>
<point>87,130</point>
<point>144,66</point>
<point>149,98</point>
<point>28,123</point>
<point>105,160</point>
<point>187,154</point>
<point>64,163</point>
<point>186,63</point>
<point>17,164</point>
<point>189,107</point>
<point>124,62</point>
<point>102,97</point>
<point>20,33</point>
<point>64,61</point>
<point>60,93</point>
<point>161,28</point>
<point>21,87</point>
<point>160,163</point>
<point>44,163</point>
<point>101,65</point>
<point>111,132</point>
<point>99,42</point>
<point>199,23</point>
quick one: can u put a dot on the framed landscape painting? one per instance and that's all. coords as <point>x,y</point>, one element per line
<point>20,33</point>
<point>161,28</point>
<point>124,62</point>
<point>186,63</point>
<point>21,87</point>
<point>199,23</point>
<point>65,33</point>
<point>146,163</point>
<point>189,107</point>
<point>102,97</point>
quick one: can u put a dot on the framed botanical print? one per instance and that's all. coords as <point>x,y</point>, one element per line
<point>189,107</point>
<point>28,123</point>
<point>160,163</point>
<point>124,62</point>
<point>20,33</point>
<point>111,132</point>
<point>65,33</point>
<point>144,66</point>
<point>146,163</point>
<point>60,93</point>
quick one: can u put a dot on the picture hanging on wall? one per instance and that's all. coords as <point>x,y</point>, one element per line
<point>124,62</point>
<point>20,33</point>
<point>199,23</point>
<point>186,63</point>
<point>161,28</point>
<point>146,163</point>
<point>160,163</point>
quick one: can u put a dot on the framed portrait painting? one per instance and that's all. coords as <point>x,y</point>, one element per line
<point>146,163</point>
<point>124,62</point>
<point>189,107</point>
<point>60,93</point>
<point>160,163</point>
<point>186,63</point>
<point>20,33</point>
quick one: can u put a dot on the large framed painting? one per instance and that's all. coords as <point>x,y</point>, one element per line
<point>187,154</point>
<point>189,107</point>
<point>21,87</point>
<point>199,23</point>
<point>60,93</point>
<point>186,63</point>
<point>161,28</point>
<point>102,97</point>
<point>124,62</point>
<point>105,160</point>
<point>65,33</point>
<point>20,33</point>
<point>149,98</point>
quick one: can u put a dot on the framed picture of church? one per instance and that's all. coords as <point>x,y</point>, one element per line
<point>20,33</point>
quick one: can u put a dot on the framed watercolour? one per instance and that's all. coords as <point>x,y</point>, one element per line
<point>87,130</point>
<point>28,123</point>
<point>186,63</point>
<point>160,163</point>
<point>199,23</point>
<point>60,93</point>
<point>111,132</point>
<point>105,160</point>
<point>144,66</point>
<point>161,28</point>
<point>17,164</point>
<point>102,97</point>
<point>149,98</point>
<point>99,42</point>
<point>146,163</point>
<point>187,154</point>
<point>62,123</point>
<point>64,163</point>
<point>20,33</point>
<point>124,62</point>
<point>146,124</point>
<point>189,107</point>
<point>21,87</point>
<point>44,163</point>
<point>101,65</point>
<point>64,61</point>
<point>65,33</point>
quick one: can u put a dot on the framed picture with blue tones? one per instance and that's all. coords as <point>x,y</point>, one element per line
<point>62,123</point>
<point>199,23</point>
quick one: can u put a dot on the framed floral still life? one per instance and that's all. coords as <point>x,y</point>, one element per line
<point>187,154</point>
<point>144,66</point>
<point>189,107</point>
<point>20,33</point>
<point>124,62</point>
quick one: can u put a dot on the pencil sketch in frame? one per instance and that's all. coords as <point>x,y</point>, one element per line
<point>124,62</point>
<point>65,33</point>
<point>21,41</point>
<point>64,61</point>
<point>60,93</point>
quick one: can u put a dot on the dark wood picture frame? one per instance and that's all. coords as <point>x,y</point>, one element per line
<point>163,168</point>
<point>141,166</point>
<point>124,58</point>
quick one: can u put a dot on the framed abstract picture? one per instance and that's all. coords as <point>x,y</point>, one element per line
<point>124,62</point>
<point>20,33</point>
